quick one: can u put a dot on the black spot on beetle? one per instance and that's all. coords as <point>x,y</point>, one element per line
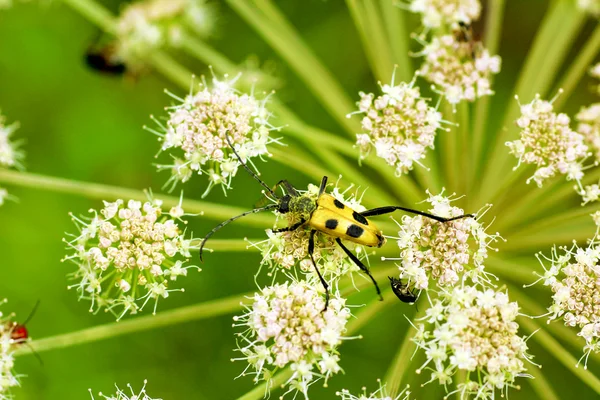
<point>354,231</point>
<point>331,223</point>
<point>338,204</point>
<point>359,218</point>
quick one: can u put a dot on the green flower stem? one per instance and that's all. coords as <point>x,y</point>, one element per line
<point>393,18</point>
<point>448,150</point>
<point>362,318</point>
<point>540,385</point>
<point>277,31</point>
<point>94,12</point>
<point>578,68</point>
<point>230,245</point>
<point>209,309</point>
<point>370,28</point>
<point>110,193</point>
<point>581,230</point>
<point>553,39</point>
<point>493,29</point>
<point>464,158</point>
<point>208,55</point>
<point>553,347</point>
<point>402,360</point>
<point>519,271</point>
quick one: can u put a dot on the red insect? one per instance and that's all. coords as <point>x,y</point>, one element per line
<point>19,332</point>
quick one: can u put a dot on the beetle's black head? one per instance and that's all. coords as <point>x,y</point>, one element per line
<point>402,291</point>
<point>284,204</point>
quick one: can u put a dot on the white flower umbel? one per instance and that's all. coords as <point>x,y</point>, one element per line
<point>194,135</point>
<point>446,253</point>
<point>399,124</point>
<point>10,338</point>
<point>436,13</point>
<point>10,155</point>
<point>472,331</point>
<point>286,326</point>
<point>547,142</point>
<point>588,119</point>
<point>460,70</point>
<point>573,275</point>
<point>148,25</point>
<point>284,250</point>
<point>127,253</point>
<point>121,395</point>
<point>590,6</point>
<point>379,394</point>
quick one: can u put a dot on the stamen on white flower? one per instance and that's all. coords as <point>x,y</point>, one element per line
<point>284,250</point>
<point>121,395</point>
<point>447,253</point>
<point>379,394</point>
<point>194,133</point>
<point>436,13</point>
<point>399,124</point>
<point>286,326</point>
<point>574,278</point>
<point>548,142</point>
<point>124,255</point>
<point>460,70</point>
<point>145,26</point>
<point>476,333</point>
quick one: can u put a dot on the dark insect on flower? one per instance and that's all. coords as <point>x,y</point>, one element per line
<point>19,332</point>
<point>402,290</point>
<point>104,60</point>
<point>327,215</point>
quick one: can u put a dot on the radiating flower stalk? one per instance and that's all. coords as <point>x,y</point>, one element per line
<point>128,253</point>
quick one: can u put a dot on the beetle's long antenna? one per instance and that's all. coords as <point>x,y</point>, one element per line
<point>222,224</point>
<point>252,173</point>
<point>32,313</point>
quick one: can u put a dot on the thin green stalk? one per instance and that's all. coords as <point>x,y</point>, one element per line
<point>262,391</point>
<point>560,353</point>
<point>398,37</point>
<point>106,192</point>
<point>287,42</point>
<point>209,309</point>
<point>564,217</point>
<point>577,69</point>
<point>367,21</point>
<point>404,187</point>
<point>230,245</point>
<point>517,271</point>
<point>94,12</point>
<point>402,360</point>
<point>583,230</point>
<point>553,39</point>
<point>208,55</point>
<point>493,30</point>
<point>541,386</point>
<point>463,156</point>
<point>448,150</point>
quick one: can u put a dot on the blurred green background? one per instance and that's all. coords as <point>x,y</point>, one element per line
<point>78,124</point>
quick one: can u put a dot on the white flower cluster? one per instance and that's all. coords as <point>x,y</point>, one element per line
<point>121,395</point>
<point>379,394</point>
<point>473,331</point>
<point>10,155</point>
<point>196,133</point>
<point>286,326</point>
<point>590,6</point>
<point>436,13</point>
<point>548,142</point>
<point>400,125</point>
<point>8,343</point>
<point>460,69</point>
<point>588,119</point>
<point>147,25</point>
<point>284,250</point>
<point>446,253</point>
<point>127,253</point>
<point>574,278</point>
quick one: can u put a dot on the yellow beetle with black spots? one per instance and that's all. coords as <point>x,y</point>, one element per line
<point>330,216</point>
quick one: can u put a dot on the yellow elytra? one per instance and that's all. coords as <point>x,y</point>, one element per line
<point>334,218</point>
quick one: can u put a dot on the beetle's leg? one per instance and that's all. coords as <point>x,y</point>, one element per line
<point>360,265</point>
<point>390,209</point>
<point>323,185</point>
<point>290,228</point>
<point>311,250</point>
